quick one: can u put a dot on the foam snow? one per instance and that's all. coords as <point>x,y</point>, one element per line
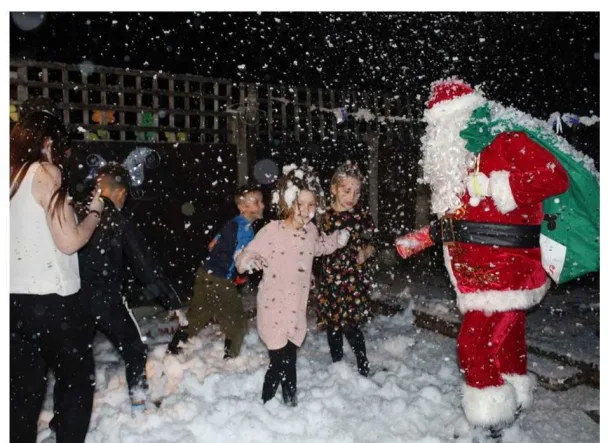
<point>413,395</point>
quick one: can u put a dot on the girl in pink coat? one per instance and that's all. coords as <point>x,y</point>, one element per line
<point>284,250</point>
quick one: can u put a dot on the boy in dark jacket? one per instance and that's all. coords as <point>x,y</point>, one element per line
<point>214,292</point>
<point>101,263</point>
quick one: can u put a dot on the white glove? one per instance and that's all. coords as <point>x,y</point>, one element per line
<point>478,187</point>
<point>256,263</point>
<point>343,238</point>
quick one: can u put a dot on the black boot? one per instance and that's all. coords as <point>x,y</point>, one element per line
<point>228,353</point>
<point>290,397</point>
<point>355,337</point>
<point>335,343</point>
<point>495,432</point>
<point>181,336</point>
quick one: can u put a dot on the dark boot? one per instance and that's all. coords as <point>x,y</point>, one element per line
<point>355,337</point>
<point>495,432</point>
<point>228,354</point>
<point>181,336</point>
<point>290,397</point>
<point>335,343</point>
<point>274,373</point>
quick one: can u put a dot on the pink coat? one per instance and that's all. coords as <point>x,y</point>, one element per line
<point>284,289</point>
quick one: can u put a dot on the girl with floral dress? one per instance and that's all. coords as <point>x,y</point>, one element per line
<point>344,281</point>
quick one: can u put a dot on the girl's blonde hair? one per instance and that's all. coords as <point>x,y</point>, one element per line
<point>290,184</point>
<point>346,170</point>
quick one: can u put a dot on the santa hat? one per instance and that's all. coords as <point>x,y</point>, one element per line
<point>448,89</point>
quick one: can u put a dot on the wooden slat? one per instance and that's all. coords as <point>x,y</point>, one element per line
<point>257,126</point>
<point>113,88</point>
<point>117,71</point>
<point>309,116</point>
<point>321,113</point>
<point>143,128</point>
<point>155,86</point>
<point>122,113</point>
<point>269,114</point>
<point>139,135</point>
<point>345,98</point>
<point>365,102</point>
<point>355,103</point>
<point>187,105</point>
<point>216,109</point>
<point>22,90</point>
<point>45,80</point>
<point>228,105</point>
<point>85,95</point>
<point>283,112</point>
<point>103,98</point>
<point>65,96</point>
<point>201,113</point>
<point>95,106</point>
<point>334,120</point>
<point>172,123</point>
<point>297,113</point>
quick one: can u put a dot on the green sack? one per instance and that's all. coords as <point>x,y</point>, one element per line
<point>569,239</point>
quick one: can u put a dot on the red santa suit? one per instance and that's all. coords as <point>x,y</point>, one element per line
<point>495,281</point>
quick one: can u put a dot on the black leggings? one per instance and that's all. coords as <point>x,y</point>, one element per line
<point>355,338</point>
<point>282,368</point>
<point>114,319</point>
<point>50,331</point>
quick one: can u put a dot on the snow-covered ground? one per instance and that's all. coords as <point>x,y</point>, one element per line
<point>412,396</point>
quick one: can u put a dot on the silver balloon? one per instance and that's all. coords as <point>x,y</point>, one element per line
<point>266,171</point>
<point>86,67</point>
<point>28,21</point>
<point>188,209</point>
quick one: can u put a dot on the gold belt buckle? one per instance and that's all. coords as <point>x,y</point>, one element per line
<point>451,242</point>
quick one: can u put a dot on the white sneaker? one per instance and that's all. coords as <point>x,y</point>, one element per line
<point>138,409</point>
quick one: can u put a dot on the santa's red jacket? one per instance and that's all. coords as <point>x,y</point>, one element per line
<point>522,174</point>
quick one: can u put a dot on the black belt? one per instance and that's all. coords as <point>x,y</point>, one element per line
<point>447,231</point>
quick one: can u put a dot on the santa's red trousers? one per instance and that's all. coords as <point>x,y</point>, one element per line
<point>490,345</point>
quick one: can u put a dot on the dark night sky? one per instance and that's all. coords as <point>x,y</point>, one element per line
<point>539,62</point>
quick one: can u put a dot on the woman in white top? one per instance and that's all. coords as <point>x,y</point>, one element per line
<point>48,328</point>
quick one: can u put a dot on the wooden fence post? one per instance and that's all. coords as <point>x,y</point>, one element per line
<point>372,140</point>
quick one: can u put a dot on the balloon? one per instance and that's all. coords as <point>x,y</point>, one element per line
<point>266,171</point>
<point>28,21</point>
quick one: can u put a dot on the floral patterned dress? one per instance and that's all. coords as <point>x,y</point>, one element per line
<point>344,285</point>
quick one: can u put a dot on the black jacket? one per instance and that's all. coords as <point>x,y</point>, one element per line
<point>101,260</point>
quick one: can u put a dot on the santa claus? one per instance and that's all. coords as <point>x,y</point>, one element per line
<point>489,204</point>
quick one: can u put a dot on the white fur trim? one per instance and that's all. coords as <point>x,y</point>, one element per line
<point>501,301</point>
<point>494,301</point>
<point>499,187</point>
<point>524,387</point>
<point>468,102</point>
<point>493,405</point>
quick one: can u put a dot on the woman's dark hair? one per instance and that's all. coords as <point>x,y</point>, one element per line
<point>27,147</point>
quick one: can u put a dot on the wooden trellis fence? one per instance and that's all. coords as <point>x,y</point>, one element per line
<point>109,104</point>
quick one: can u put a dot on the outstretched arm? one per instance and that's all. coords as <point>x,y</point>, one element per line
<point>147,270</point>
<point>414,242</point>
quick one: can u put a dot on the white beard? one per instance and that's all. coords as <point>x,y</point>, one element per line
<point>446,161</point>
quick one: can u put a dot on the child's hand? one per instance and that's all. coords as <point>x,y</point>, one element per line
<point>256,263</point>
<point>343,238</point>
